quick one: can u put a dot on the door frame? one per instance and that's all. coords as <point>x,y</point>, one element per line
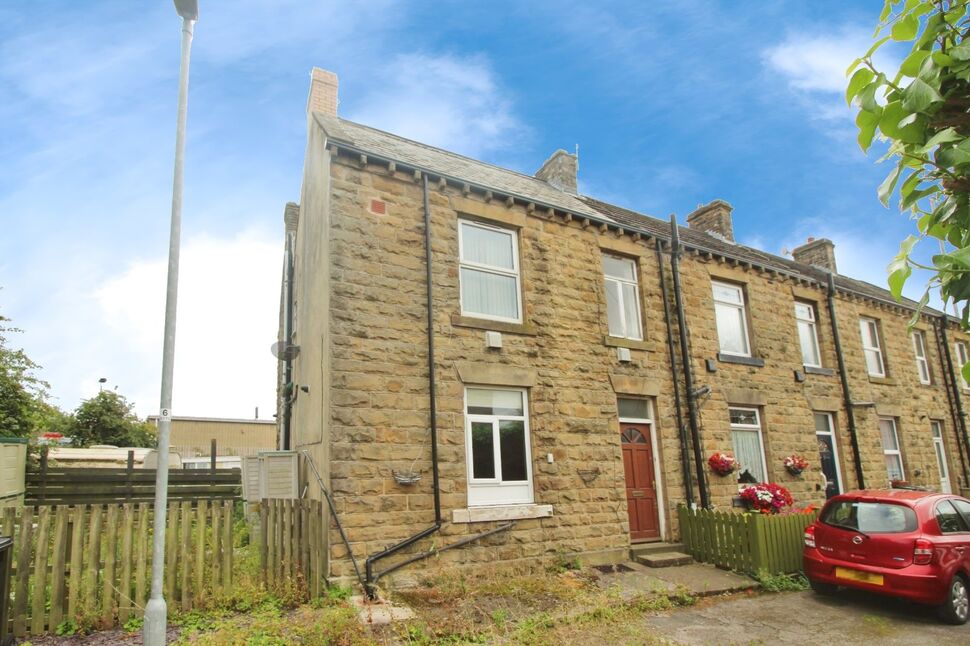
<point>835,448</point>
<point>657,474</point>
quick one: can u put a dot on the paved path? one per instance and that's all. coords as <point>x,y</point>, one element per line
<point>697,578</point>
<point>806,618</point>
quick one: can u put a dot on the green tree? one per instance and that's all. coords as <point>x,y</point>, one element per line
<point>22,393</point>
<point>921,112</point>
<point>108,418</point>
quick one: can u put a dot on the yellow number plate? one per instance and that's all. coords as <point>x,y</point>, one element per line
<point>856,575</point>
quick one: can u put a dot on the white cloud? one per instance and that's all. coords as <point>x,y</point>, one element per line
<point>451,102</point>
<point>814,66</point>
<point>227,320</point>
<point>816,63</point>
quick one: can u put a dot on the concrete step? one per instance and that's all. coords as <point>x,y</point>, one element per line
<point>663,559</point>
<point>649,548</point>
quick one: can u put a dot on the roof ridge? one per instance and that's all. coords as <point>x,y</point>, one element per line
<point>448,152</point>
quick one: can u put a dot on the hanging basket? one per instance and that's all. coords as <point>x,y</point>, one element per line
<point>795,464</point>
<point>722,464</point>
<point>406,478</point>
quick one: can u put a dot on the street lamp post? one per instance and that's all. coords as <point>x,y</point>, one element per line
<point>156,612</point>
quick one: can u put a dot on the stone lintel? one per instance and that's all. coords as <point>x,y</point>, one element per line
<point>825,404</point>
<point>495,374</point>
<point>745,396</point>
<point>627,385</point>
<point>492,212</point>
<point>505,512</point>
<point>888,410</point>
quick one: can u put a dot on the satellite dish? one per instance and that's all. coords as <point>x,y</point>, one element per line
<point>285,351</point>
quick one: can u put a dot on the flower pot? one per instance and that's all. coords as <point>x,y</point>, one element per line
<point>795,471</point>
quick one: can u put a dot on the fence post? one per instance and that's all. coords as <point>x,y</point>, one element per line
<point>759,542</point>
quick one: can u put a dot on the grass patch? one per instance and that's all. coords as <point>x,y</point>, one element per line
<point>782,582</point>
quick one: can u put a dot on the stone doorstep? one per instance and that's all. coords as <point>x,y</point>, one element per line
<point>650,548</point>
<point>663,559</point>
<point>380,612</point>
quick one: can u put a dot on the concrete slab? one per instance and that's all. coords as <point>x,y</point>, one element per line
<point>380,612</point>
<point>699,579</point>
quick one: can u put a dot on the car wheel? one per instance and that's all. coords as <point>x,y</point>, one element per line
<point>956,608</point>
<point>827,589</point>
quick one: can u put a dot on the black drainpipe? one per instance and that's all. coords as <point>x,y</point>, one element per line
<point>956,408</point>
<point>684,450</point>
<point>844,377</point>
<point>287,341</point>
<point>685,361</point>
<point>371,560</point>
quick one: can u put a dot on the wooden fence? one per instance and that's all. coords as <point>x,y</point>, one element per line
<point>291,542</point>
<point>93,563</point>
<point>745,542</point>
<point>76,486</point>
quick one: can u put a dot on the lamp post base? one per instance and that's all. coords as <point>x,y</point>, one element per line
<point>156,622</point>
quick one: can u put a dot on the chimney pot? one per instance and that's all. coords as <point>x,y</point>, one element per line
<point>323,92</point>
<point>560,171</point>
<point>714,218</point>
<point>819,252</point>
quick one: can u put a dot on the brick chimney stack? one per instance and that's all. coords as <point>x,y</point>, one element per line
<point>323,92</point>
<point>714,218</point>
<point>820,252</point>
<point>560,171</point>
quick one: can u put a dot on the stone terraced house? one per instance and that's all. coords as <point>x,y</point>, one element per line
<point>566,420</point>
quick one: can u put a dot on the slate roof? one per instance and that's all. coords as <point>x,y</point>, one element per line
<point>438,161</point>
<point>385,145</point>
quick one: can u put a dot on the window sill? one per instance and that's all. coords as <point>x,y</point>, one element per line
<point>620,342</point>
<point>744,361</point>
<point>488,324</point>
<point>502,512</point>
<point>886,381</point>
<point>817,370</point>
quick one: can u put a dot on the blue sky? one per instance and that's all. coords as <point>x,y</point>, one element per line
<point>672,104</point>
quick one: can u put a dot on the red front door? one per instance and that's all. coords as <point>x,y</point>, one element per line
<point>641,490</point>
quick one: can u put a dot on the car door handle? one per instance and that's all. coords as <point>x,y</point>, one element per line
<point>959,549</point>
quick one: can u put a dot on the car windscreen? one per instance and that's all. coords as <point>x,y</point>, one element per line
<point>869,517</point>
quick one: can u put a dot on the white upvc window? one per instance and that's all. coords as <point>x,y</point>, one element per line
<point>622,297</point>
<point>807,334</point>
<point>890,448</point>
<point>922,362</point>
<point>962,359</point>
<point>871,347</point>
<point>732,323</point>
<point>749,449</point>
<point>497,446</point>
<point>489,272</point>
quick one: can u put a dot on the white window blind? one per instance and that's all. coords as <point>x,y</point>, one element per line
<point>746,439</point>
<point>489,274</point>
<point>732,325</point>
<point>622,297</point>
<point>871,347</point>
<point>807,334</point>
<point>922,363</point>
<point>890,448</point>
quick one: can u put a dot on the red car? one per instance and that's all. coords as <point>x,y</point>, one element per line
<point>909,544</point>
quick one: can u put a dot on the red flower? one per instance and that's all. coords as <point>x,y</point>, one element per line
<point>722,464</point>
<point>767,498</point>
